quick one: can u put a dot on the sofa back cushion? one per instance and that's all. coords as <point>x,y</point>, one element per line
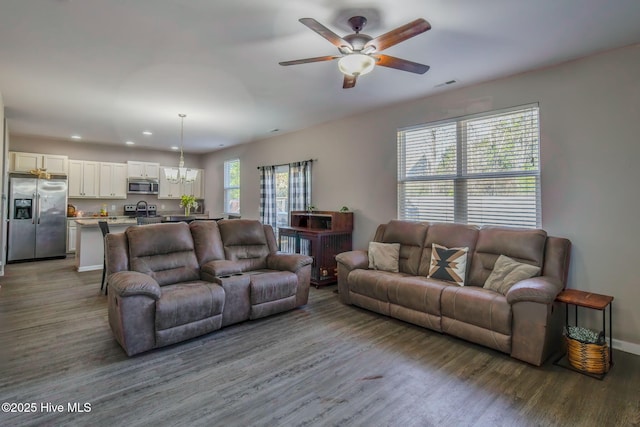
<point>523,245</point>
<point>164,252</point>
<point>207,241</point>
<point>244,242</point>
<point>411,237</point>
<point>450,236</point>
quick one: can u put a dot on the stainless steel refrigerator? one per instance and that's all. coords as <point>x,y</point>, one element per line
<point>37,218</point>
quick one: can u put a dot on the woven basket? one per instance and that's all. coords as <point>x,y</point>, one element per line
<point>591,358</point>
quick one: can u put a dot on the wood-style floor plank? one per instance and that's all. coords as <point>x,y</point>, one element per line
<point>325,364</point>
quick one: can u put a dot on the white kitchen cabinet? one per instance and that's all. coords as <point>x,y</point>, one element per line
<point>169,190</point>
<point>71,235</point>
<point>143,170</point>
<point>113,180</point>
<point>84,178</point>
<point>25,162</point>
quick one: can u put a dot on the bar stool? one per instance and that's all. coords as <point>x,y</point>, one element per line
<point>104,227</point>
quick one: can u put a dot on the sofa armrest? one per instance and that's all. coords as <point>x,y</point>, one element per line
<point>288,262</point>
<point>542,289</point>
<point>353,260</point>
<point>347,262</point>
<point>220,267</point>
<point>128,283</point>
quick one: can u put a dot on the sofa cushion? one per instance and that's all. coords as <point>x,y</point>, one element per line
<point>411,237</point>
<point>448,264</point>
<point>272,286</point>
<point>384,256</point>
<point>164,252</point>
<point>477,306</point>
<point>184,303</point>
<point>372,283</point>
<point>245,241</point>
<point>523,245</point>
<point>207,241</point>
<point>417,293</point>
<point>507,272</point>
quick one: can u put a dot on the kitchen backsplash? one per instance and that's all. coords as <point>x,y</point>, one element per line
<point>91,207</point>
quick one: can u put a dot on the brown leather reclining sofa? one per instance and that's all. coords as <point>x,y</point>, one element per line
<point>525,322</point>
<point>174,281</point>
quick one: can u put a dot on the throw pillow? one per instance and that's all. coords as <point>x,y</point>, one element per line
<point>448,264</point>
<point>507,272</point>
<point>384,256</point>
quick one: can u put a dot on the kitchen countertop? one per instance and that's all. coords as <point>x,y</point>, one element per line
<point>93,222</point>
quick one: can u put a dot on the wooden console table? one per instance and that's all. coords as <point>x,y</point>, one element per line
<point>593,301</point>
<point>321,235</point>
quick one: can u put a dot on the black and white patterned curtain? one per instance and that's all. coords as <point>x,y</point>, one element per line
<point>300,185</point>
<point>268,195</point>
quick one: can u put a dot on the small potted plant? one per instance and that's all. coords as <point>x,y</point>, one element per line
<point>187,202</point>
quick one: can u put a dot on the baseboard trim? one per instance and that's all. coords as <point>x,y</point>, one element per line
<point>627,347</point>
<point>93,267</point>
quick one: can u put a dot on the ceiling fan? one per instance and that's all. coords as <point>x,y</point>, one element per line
<point>359,53</point>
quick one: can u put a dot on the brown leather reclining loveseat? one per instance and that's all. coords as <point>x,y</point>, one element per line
<point>174,281</point>
<point>524,322</point>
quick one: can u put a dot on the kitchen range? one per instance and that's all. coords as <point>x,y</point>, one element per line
<point>141,209</point>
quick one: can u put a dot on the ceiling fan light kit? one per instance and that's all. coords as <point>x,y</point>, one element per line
<point>356,64</point>
<point>360,52</point>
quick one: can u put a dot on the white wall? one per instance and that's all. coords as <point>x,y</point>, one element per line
<point>590,146</point>
<point>83,150</point>
<point>86,150</point>
<point>4,140</point>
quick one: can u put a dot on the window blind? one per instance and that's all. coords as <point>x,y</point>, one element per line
<point>481,169</point>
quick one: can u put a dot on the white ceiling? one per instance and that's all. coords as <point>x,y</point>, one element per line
<point>110,69</point>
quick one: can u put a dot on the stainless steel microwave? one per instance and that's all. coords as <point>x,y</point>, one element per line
<point>142,186</point>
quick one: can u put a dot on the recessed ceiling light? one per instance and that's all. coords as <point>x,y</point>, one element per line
<point>174,147</point>
<point>76,137</point>
<point>146,132</point>
<point>130,143</point>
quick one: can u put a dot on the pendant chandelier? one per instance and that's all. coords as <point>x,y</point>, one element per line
<point>181,174</point>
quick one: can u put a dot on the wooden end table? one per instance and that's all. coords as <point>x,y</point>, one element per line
<point>593,301</point>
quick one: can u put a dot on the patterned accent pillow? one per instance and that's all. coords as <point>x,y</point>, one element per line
<point>448,264</point>
<point>507,272</point>
<point>384,256</point>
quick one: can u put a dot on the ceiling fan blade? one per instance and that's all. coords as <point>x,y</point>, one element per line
<point>335,39</point>
<point>308,60</point>
<point>401,64</point>
<point>399,34</point>
<point>349,82</point>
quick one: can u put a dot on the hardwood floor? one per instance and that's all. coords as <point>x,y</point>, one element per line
<point>326,364</point>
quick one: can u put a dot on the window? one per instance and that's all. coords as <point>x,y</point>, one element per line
<point>284,188</point>
<point>481,169</point>
<point>232,186</point>
<point>282,196</point>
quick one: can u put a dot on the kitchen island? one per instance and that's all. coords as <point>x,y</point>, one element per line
<point>90,243</point>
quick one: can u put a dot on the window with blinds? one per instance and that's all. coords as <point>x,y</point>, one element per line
<point>480,169</point>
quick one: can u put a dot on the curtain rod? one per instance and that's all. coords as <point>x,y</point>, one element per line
<point>286,164</point>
